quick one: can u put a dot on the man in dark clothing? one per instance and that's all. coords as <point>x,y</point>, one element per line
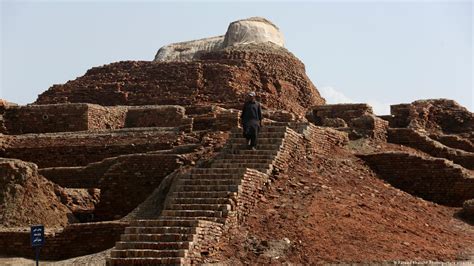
<point>251,118</point>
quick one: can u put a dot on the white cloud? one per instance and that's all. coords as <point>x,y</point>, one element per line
<point>334,96</point>
<point>380,108</point>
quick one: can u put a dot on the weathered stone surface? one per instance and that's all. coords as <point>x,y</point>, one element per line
<point>333,122</point>
<point>81,202</point>
<point>434,116</point>
<point>357,119</point>
<point>347,112</point>
<point>5,103</point>
<point>253,30</point>
<point>190,50</point>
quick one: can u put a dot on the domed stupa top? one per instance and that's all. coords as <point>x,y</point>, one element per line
<point>254,30</point>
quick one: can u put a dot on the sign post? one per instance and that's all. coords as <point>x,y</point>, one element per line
<point>37,239</point>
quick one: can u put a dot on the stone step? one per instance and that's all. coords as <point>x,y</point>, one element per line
<point>213,176</point>
<point>156,237</point>
<point>193,213</point>
<point>149,253</point>
<point>199,201</point>
<point>260,140</point>
<point>214,188</point>
<point>201,194</point>
<point>147,261</point>
<point>163,222</point>
<point>153,245</point>
<point>210,182</point>
<point>230,156</point>
<point>243,160</point>
<point>234,146</point>
<point>263,129</point>
<point>215,170</point>
<point>258,166</point>
<point>206,218</point>
<point>289,124</point>
<point>204,207</point>
<point>255,152</point>
<point>160,230</point>
<point>261,135</point>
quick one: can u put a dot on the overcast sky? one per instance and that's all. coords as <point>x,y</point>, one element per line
<point>375,51</point>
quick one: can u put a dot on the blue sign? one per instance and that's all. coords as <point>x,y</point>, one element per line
<point>37,235</point>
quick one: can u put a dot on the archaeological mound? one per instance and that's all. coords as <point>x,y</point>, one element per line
<point>144,163</point>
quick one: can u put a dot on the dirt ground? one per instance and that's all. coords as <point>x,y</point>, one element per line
<point>93,259</point>
<point>334,210</point>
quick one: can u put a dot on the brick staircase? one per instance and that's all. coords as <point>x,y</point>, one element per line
<point>204,203</point>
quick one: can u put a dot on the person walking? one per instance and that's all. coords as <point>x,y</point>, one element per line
<point>251,119</point>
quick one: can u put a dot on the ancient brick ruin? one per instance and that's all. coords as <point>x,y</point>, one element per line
<point>147,158</point>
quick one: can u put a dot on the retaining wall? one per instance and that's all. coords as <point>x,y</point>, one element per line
<point>76,149</point>
<point>417,140</point>
<point>124,181</point>
<point>73,241</point>
<point>433,179</point>
<point>81,117</point>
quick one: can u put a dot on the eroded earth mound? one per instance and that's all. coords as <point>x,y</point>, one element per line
<point>27,198</point>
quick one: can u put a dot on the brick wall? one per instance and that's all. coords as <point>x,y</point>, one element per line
<point>100,117</point>
<point>61,118</point>
<point>93,117</point>
<point>46,118</point>
<point>129,182</point>
<point>400,115</point>
<point>158,116</point>
<point>66,149</point>
<point>323,139</point>
<point>369,126</point>
<point>358,120</point>
<point>420,141</point>
<point>206,238</point>
<point>279,115</point>
<point>78,176</point>
<point>431,178</point>
<point>74,240</point>
<point>434,115</point>
<point>454,141</point>
<point>347,112</point>
<point>124,181</point>
<point>80,117</point>
<point>221,77</point>
<point>213,117</point>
